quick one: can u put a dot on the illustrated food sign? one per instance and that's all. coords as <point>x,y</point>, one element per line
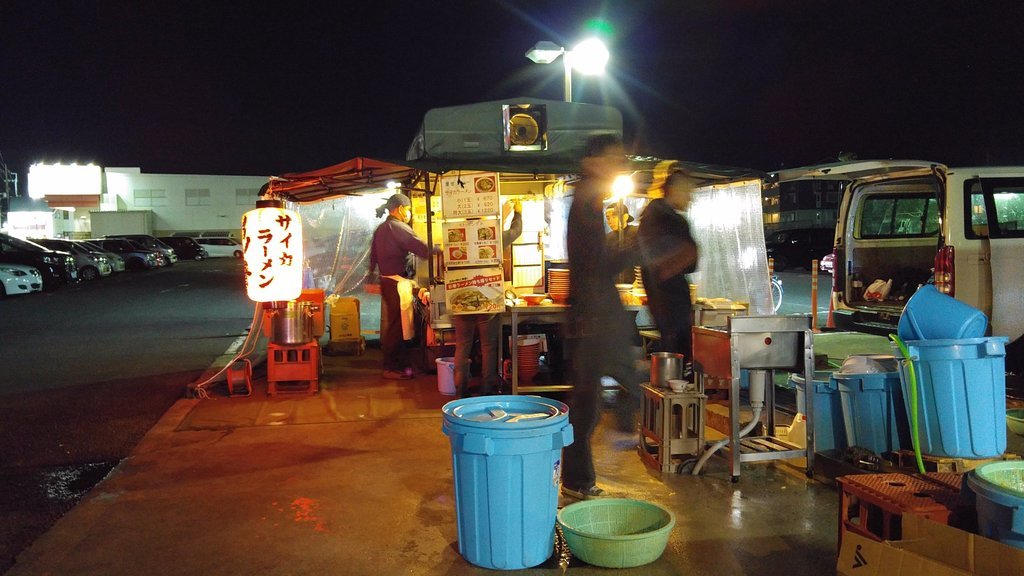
<point>474,291</point>
<point>472,243</point>
<point>470,195</point>
<point>272,246</point>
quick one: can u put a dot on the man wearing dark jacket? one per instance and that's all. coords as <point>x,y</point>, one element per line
<point>393,242</point>
<point>599,329</point>
<point>670,253</point>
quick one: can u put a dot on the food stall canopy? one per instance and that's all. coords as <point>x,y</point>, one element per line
<point>352,178</point>
<point>516,135</point>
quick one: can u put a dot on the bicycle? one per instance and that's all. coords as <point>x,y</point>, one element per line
<point>776,288</point>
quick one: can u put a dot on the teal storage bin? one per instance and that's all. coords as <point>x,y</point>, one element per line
<point>829,432</point>
<point>874,416</point>
<point>506,463</point>
<point>961,387</point>
<point>999,491</point>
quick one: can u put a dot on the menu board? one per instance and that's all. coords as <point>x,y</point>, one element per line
<point>472,243</point>
<point>470,195</point>
<point>474,290</point>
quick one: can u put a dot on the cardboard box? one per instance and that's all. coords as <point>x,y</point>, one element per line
<point>344,318</point>
<point>928,549</point>
<point>345,346</point>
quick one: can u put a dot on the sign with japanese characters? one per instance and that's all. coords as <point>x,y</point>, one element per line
<point>472,243</point>
<point>474,290</point>
<point>272,248</point>
<point>470,195</point>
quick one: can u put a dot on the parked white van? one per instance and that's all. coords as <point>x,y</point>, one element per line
<point>914,222</point>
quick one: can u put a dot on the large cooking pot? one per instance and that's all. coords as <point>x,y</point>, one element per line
<point>666,366</point>
<point>292,324</point>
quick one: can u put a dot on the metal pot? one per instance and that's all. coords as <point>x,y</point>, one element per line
<point>666,366</point>
<point>292,324</point>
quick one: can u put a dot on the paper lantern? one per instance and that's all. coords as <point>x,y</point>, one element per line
<point>272,248</point>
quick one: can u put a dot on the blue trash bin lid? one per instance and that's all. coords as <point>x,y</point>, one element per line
<point>505,411</point>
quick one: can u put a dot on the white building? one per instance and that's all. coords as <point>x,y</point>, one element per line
<point>126,200</point>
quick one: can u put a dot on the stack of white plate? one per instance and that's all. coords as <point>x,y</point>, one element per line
<point>558,285</point>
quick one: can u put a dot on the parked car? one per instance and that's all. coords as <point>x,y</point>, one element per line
<point>185,247</point>
<point>798,246</point>
<point>115,259</point>
<point>56,267</point>
<point>19,279</point>
<point>827,262</point>
<point>221,247</point>
<point>914,222</point>
<point>135,257</point>
<point>150,243</point>
<point>90,266</point>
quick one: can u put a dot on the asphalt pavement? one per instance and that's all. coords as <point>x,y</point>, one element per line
<point>357,479</point>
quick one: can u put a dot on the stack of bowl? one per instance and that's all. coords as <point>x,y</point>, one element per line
<point>558,285</point>
<point>529,358</point>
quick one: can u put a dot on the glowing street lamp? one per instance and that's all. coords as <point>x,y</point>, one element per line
<point>588,57</point>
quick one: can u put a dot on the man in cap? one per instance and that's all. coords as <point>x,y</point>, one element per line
<point>393,242</point>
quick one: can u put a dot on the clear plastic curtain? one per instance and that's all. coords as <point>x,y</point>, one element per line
<point>337,235</point>
<point>727,222</point>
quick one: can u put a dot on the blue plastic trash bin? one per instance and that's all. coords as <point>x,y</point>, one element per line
<point>506,463</point>
<point>961,391</point>
<point>829,433</point>
<point>874,415</point>
<point>999,488</point>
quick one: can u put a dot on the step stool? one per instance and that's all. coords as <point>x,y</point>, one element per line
<point>873,505</point>
<point>293,368</point>
<point>671,424</point>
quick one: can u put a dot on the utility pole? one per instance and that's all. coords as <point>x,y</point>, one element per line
<point>8,190</point>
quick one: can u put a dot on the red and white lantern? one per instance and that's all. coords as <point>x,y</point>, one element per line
<point>272,248</point>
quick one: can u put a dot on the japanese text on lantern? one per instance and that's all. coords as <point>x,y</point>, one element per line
<point>272,247</point>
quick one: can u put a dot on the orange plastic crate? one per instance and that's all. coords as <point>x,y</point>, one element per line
<point>873,505</point>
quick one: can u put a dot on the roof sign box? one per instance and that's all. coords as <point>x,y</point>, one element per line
<point>517,133</point>
<point>64,180</point>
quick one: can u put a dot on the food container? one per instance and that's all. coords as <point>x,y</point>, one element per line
<point>534,299</point>
<point>292,324</point>
<point>666,366</point>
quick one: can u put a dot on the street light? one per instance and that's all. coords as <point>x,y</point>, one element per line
<point>588,57</point>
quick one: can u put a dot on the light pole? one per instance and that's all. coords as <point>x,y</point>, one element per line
<point>588,57</point>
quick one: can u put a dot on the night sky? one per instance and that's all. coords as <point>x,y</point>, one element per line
<point>260,88</point>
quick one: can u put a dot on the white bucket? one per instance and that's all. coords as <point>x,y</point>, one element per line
<point>446,375</point>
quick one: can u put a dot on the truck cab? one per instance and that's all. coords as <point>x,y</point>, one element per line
<point>908,223</point>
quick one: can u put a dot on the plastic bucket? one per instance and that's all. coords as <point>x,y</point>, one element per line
<point>999,487</point>
<point>932,315</point>
<point>829,433</point>
<point>506,463</point>
<point>874,414</point>
<point>446,375</point>
<point>961,391</point>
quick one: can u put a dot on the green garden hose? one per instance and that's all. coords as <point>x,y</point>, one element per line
<point>912,387</point>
